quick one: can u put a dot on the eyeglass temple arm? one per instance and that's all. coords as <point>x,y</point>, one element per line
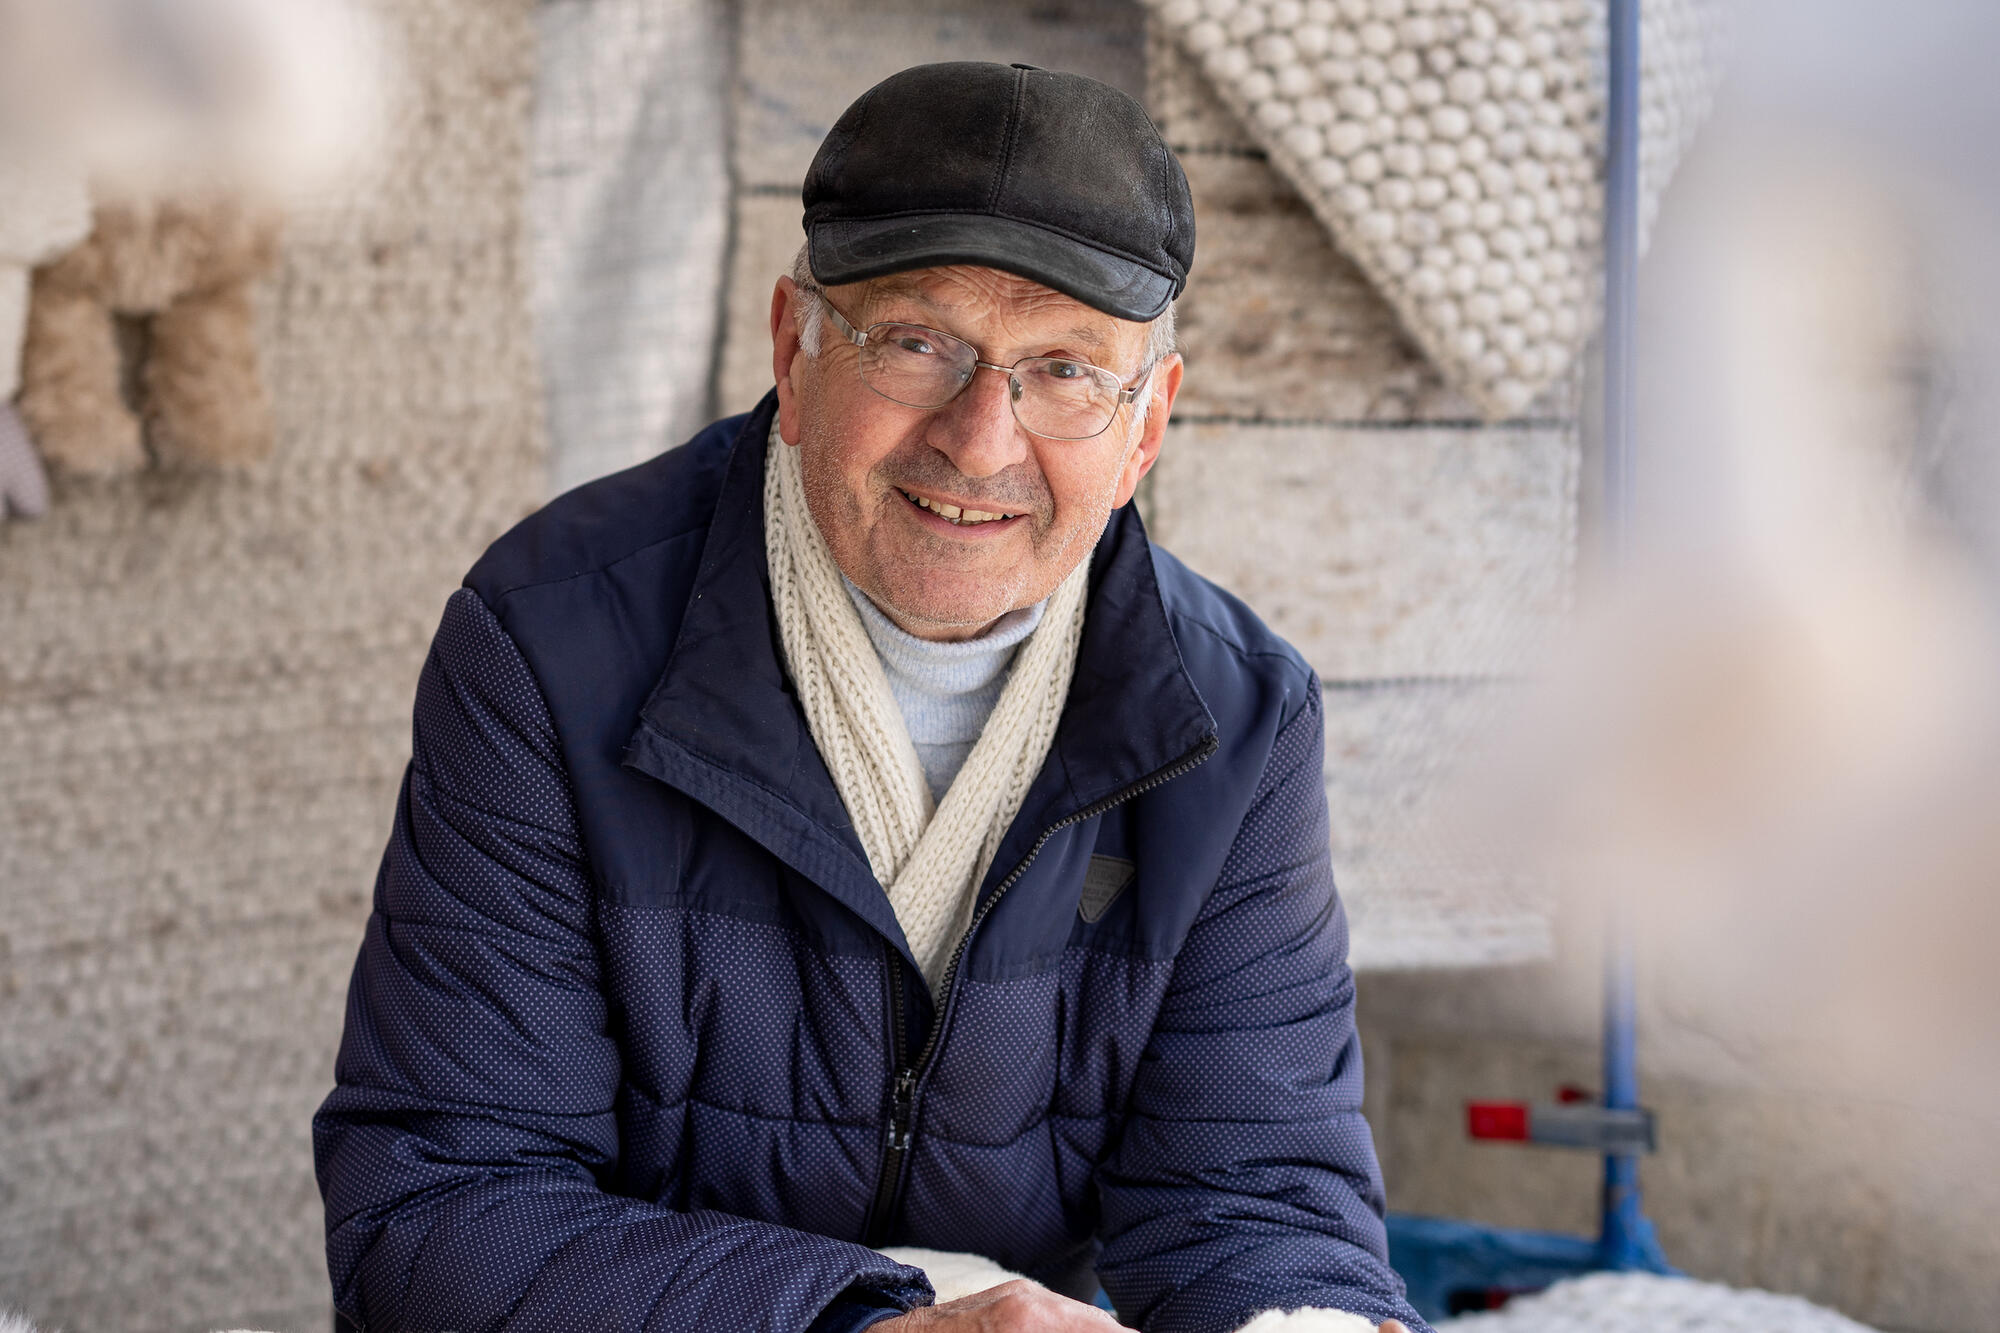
<point>847,331</point>
<point>1131,395</point>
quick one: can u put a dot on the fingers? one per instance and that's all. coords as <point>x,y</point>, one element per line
<point>1392,1326</point>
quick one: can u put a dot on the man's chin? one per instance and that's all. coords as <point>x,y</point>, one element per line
<point>952,604</point>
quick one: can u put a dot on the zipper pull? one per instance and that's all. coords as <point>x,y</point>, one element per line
<point>902,1097</point>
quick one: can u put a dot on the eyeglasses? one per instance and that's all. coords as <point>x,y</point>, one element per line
<point>1053,397</point>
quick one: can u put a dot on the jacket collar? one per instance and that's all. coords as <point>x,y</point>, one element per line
<point>724,725</point>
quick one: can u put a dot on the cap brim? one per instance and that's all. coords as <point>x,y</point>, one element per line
<point>856,249</point>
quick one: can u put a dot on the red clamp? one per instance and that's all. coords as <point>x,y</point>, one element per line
<point>1567,1124</point>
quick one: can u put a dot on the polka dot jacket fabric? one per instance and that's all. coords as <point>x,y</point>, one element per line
<point>623,1040</point>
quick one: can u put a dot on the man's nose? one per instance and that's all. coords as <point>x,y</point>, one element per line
<point>977,429</point>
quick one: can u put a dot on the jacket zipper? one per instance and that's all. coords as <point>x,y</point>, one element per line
<point>903,1089</point>
<point>902,1092</point>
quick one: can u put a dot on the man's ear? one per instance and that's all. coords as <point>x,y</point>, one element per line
<point>1164,387</point>
<point>787,357</point>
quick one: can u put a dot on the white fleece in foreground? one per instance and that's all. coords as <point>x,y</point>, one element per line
<point>1308,1321</point>
<point>955,1275</point>
<point>952,1275</point>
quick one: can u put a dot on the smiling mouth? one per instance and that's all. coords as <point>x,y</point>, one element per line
<point>952,513</point>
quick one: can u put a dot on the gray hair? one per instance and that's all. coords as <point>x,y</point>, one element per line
<point>1160,340</point>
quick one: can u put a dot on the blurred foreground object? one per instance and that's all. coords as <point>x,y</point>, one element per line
<point>24,487</point>
<point>1778,736</point>
<point>43,211</point>
<point>187,120</point>
<point>185,265</point>
<point>272,95</point>
<point>1647,1303</point>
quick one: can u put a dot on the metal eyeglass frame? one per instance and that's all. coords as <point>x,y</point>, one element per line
<point>1125,396</point>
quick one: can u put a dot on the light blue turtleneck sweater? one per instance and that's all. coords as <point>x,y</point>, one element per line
<point>945,690</point>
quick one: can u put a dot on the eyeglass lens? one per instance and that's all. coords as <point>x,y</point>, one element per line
<point>920,367</point>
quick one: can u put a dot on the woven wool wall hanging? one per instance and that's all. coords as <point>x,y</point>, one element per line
<point>1454,149</point>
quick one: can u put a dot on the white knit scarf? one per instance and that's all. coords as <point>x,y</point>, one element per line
<point>930,860</point>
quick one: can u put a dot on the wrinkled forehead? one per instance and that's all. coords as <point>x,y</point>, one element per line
<point>989,305</point>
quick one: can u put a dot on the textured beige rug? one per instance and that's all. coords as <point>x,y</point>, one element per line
<point>204,694</point>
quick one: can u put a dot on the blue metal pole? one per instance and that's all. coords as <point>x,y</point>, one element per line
<point>1435,1256</point>
<point>1626,1238</point>
<point>1621,271</point>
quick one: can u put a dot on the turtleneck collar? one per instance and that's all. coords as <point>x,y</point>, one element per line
<point>946,691</point>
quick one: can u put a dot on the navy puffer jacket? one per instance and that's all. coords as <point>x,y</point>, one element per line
<point>635,1042</point>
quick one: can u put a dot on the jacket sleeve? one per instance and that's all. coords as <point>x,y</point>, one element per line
<point>465,1153</point>
<point>1244,1178</point>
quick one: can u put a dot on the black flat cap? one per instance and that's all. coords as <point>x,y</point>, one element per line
<point>1055,177</point>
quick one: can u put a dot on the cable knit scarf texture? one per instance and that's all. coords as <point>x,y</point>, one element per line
<point>930,859</point>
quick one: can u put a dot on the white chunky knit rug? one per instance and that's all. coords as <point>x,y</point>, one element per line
<point>1599,1303</point>
<point>1647,1303</point>
<point>953,1275</point>
<point>1454,150</point>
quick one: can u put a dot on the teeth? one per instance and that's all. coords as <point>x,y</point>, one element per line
<point>953,512</point>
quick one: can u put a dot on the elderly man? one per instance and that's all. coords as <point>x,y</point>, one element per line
<point>846,831</point>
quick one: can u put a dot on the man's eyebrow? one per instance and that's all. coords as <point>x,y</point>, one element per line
<point>894,287</point>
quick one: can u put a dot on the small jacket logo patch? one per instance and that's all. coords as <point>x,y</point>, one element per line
<point>1103,882</point>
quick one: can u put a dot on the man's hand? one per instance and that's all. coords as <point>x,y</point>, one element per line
<point>1012,1307</point>
<point>1019,1307</point>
